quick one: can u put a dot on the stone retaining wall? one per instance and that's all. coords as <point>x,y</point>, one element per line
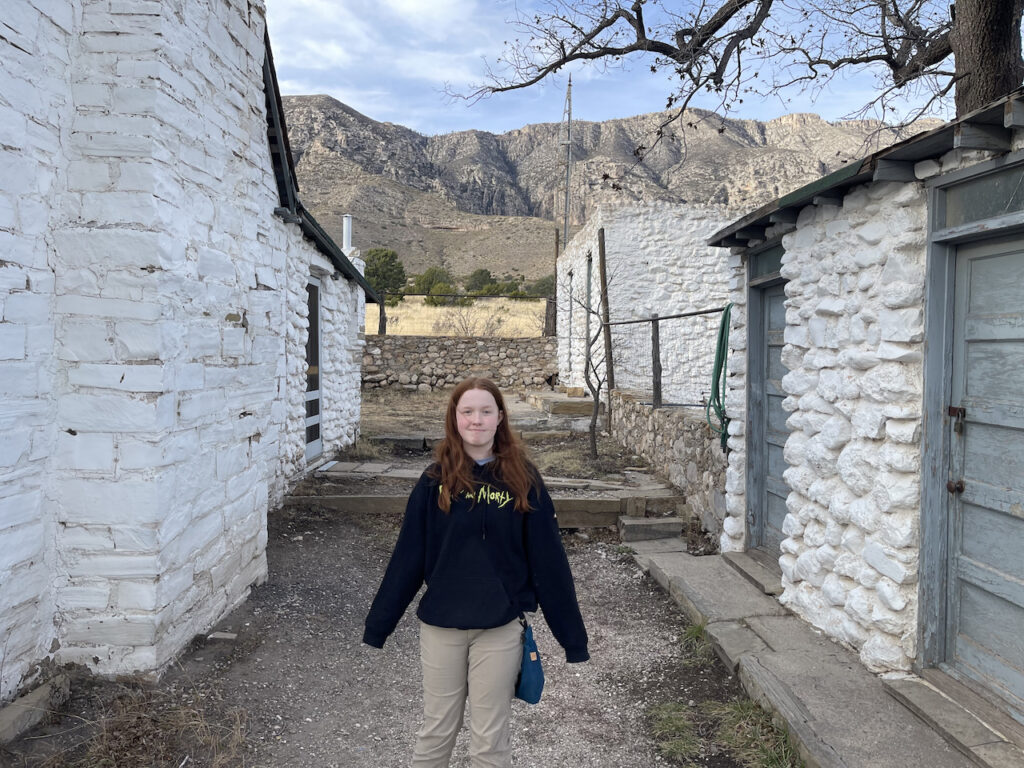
<point>436,362</point>
<point>680,445</point>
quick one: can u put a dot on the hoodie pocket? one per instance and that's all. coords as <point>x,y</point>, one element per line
<point>465,603</point>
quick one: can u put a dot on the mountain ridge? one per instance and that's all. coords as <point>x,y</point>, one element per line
<point>472,198</point>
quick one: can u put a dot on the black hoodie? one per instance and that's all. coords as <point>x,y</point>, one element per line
<point>483,562</point>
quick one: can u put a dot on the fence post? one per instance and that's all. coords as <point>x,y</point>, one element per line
<point>605,318</point>
<point>382,322</point>
<point>550,315</point>
<point>656,360</point>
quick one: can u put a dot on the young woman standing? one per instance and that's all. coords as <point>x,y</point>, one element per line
<point>480,531</point>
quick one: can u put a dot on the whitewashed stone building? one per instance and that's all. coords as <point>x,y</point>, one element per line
<point>657,261</point>
<point>178,338</point>
<point>877,436</point>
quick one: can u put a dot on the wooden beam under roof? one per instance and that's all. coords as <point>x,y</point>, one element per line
<point>1013,113</point>
<point>893,170</point>
<point>784,216</point>
<point>828,198</point>
<point>751,233</point>
<point>993,138</point>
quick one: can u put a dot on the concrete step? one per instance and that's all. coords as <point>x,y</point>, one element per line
<point>646,528</point>
<point>767,580</point>
<point>987,736</point>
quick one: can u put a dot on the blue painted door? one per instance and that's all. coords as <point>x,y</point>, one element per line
<point>767,502</point>
<point>985,605</point>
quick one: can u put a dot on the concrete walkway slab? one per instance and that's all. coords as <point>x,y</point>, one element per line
<point>840,715</point>
<point>710,590</point>
<point>837,712</point>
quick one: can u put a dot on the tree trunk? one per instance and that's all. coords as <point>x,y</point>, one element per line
<point>985,39</point>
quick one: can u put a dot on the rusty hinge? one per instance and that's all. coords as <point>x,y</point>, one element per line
<point>955,487</point>
<point>958,415</point>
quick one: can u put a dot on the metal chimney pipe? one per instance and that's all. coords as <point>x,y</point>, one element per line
<point>346,233</point>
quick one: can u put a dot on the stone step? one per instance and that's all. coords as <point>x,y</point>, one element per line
<point>558,404</point>
<point>767,580</point>
<point>646,528</point>
<point>571,512</point>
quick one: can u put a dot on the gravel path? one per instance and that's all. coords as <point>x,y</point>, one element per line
<point>317,697</point>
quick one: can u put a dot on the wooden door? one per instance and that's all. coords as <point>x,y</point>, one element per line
<point>767,490</point>
<point>985,599</point>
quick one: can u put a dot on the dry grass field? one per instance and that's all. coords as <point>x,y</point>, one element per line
<point>505,318</point>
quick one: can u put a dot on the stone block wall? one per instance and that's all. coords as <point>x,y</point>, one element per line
<point>679,444</point>
<point>158,313</point>
<point>35,110</point>
<point>436,362</point>
<point>657,262</point>
<point>854,345</point>
<point>853,350</point>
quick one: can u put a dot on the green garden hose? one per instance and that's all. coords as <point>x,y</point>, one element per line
<point>716,402</point>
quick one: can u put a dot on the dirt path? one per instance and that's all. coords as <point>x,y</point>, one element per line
<point>296,687</point>
<point>317,697</point>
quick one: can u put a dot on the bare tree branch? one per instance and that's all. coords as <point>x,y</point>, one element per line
<point>727,48</point>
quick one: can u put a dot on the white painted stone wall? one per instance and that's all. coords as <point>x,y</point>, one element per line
<point>153,333</point>
<point>854,331</point>
<point>657,262</point>
<point>34,106</point>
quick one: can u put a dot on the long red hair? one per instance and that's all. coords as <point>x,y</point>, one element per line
<point>454,467</point>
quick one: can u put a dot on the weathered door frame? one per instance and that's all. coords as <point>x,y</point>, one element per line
<point>757,281</point>
<point>940,278</point>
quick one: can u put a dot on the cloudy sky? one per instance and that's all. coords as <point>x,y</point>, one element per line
<point>391,60</point>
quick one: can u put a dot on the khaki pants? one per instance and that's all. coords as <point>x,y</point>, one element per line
<point>481,664</point>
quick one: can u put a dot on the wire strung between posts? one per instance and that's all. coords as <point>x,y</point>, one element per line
<point>716,402</point>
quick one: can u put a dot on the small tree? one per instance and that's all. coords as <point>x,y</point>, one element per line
<point>385,273</point>
<point>478,279</point>
<point>595,372</point>
<point>425,282</point>
<point>542,288</point>
<point>443,295</point>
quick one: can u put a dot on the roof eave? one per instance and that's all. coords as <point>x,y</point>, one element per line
<point>985,128</point>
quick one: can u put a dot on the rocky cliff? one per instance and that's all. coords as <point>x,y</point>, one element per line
<point>472,198</point>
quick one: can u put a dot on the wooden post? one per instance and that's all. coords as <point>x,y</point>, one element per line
<point>605,319</point>
<point>551,312</point>
<point>656,360</point>
<point>382,321</point>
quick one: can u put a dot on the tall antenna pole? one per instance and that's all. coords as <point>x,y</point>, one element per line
<point>567,115</point>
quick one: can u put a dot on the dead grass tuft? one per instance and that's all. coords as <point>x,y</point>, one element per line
<point>749,734</point>
<point>362,450</point>
<point>675,731</point>
<point>569,456</point>
<point>697,650</point>
<point>142,726</point>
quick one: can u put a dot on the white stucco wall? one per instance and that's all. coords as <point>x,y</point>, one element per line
<point>153,332</point>
<point>657,262</point>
